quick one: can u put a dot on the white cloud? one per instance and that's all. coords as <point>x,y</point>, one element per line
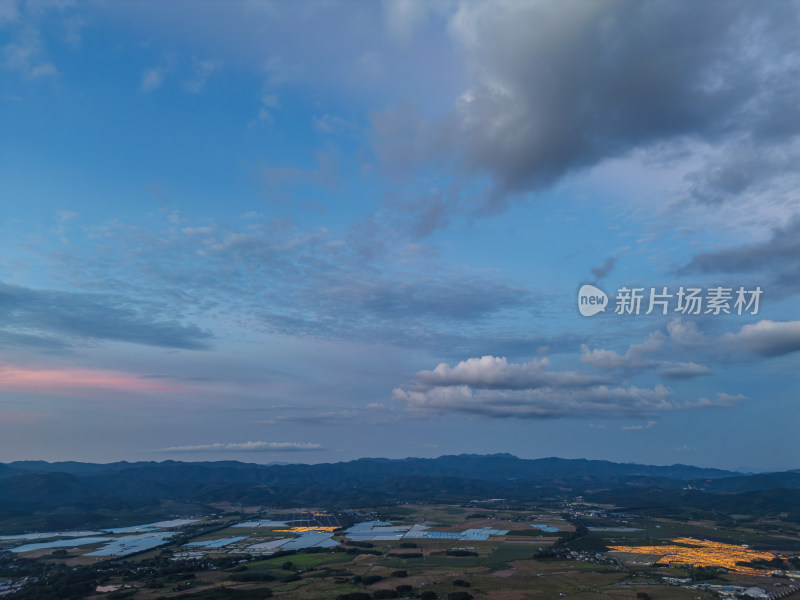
<point>768,338</point>
<point>602,359</point>
<point>152,78</point>
<point>26,55</point>
<point>43,70</point>
<point>544,402</point>
<point>633,360</point>
<point>491,372</point>
<point>9,12</point>
<point>685,333</point>
<point>329,124</point>
<point>269,104</point>
<point>492,387</point>
<point>636,358</point>
<point>639,427</point>
<point>405,17</point>
<point>246,447</point>
<point>202,70</point>
<point>721,400</point>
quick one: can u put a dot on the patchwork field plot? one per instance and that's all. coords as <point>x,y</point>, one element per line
<point>701,553</point>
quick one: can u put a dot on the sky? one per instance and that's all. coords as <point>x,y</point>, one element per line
<point>316,231</point>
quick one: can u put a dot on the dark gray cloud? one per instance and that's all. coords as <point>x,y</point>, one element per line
<point>276,181</point>
<point>683,370</point>
<point>13,339</point>
<point>559,88</point>
<point>747,167</point>
<point>774,261</point>
<point>604,269</point>
<point>424,214</point>
<point>54,319</point>
<point>555,88</point>
<point>457,298</point>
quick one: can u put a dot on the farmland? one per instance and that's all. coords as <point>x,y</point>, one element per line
<point>499,552</point>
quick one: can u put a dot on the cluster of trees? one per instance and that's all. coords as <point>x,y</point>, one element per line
<point>401,591</point>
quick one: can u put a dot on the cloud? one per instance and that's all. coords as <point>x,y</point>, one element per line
<point>491,372</point>
<point>554,89</point>
<point>639,356</point>
<point>746,168</point>
<point>275,179</point>
<point>649,425</point>
<point>73,27</point>
<point>354,284</point>
<point>767,338</point>
<point>330,124</point>
<point>537,403</point>
<point>454,298</point>
<point>606,359</point>
<point>73,381</point>
<point>492,387</point>
<point>558,88</point>
<point>247,447</point>
<point>404,17</point>
<point>773,260</point>
<point>635,359</point>
<point>14,339</point>
<point>604,269</point>
<point>202,70</point>
<point>27,55</point>
<point>425,213</point>
<point>24,23</point>
<point>683,370</point>
<point>269,104</point>
<point>9,12</point>
<point>57,318</point>
<point>685,334</point>
<point>315,416</point>
<point>152,78</point>
<point>721,400</point>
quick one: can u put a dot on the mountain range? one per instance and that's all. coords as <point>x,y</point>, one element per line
<point>75,488</point>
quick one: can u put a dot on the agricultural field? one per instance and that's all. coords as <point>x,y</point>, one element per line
<point>424,551</point>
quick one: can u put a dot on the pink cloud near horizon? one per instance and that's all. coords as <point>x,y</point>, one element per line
<point>71,380</point>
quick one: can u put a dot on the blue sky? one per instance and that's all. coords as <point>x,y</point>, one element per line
<point>317,231</point>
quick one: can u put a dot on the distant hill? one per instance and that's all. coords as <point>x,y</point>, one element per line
<point>490,467</point>
<point>73,487</point>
